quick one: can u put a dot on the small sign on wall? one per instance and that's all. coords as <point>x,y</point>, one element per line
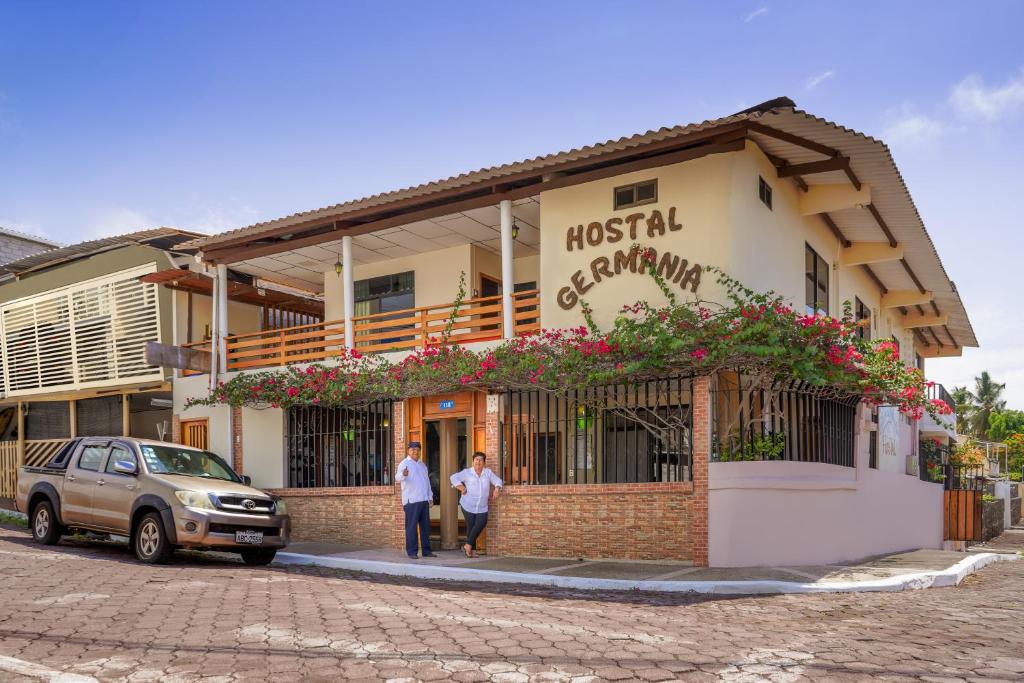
<point>446,405</point>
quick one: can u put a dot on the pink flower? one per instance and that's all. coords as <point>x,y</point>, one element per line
<point>293,392</point>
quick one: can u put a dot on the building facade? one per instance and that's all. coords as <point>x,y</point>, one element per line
<point>774,197</point>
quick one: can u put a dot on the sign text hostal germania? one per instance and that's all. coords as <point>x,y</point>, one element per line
<point>674,269</point>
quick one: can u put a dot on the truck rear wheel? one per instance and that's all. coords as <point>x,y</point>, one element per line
<point>45,527</point>
<point>150,541</point>
<point>258,557</point>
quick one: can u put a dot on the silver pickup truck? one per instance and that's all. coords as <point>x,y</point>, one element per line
<point>160,495</point>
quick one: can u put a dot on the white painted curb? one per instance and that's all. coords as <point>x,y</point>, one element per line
<point>950,576</point>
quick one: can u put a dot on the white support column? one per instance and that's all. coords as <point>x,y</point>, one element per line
<point>214,334</point>
<point>350,294</point>
<point>507,276</point>
<point>222,316</point>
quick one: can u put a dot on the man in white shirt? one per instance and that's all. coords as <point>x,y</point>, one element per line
<point>417,496</point>
<point>475,483</point>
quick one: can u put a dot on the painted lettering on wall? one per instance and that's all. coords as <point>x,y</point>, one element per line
<point>672,268</point>
<point>615,229</point>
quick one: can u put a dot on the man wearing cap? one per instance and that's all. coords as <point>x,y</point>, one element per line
<point>417,496</point>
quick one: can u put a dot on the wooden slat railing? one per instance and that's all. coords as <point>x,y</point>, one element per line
<point>8,469</point>
<point>476,320</point>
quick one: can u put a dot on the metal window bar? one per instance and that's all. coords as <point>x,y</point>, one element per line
<point>789,422</point>
<point>618,433</point>
<point>339,446</point>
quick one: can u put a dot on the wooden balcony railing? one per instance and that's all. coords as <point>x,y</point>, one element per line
<point>476,320</point>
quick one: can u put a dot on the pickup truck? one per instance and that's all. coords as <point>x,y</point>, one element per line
<point>160,495</point>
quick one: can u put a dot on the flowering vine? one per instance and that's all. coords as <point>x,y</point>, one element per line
<point>757,334</point>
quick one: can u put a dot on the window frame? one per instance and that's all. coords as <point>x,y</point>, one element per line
<point>820,265</point>
<point>103,447</point>
<point>635,187</point>
<point>764,189</point>
<point>862,312</point>
<point>111,459</point>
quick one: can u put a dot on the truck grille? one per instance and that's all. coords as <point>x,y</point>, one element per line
<point>246,504</point>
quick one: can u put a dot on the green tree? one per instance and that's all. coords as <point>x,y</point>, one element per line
<point>988,399</point>
<point>964,405</point>
<point>1005,423</point>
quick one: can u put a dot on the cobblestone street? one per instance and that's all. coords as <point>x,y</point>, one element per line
<point>93,611</point>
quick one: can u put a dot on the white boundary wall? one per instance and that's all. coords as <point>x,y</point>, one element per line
<point>793,513</point>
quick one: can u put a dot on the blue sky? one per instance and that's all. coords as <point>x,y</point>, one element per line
<point>121,115</point>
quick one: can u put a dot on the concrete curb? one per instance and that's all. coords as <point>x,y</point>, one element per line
<point>950,576</point>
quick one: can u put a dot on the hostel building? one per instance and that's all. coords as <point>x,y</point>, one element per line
<point>776,197</point>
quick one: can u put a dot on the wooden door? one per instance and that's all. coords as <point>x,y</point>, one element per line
<point>194,433</point>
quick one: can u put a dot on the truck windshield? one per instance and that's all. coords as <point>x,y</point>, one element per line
<point>173,460</point>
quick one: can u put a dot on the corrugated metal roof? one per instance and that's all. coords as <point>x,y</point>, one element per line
<point>161,237</point>
<point>870,159</point>
<point>28,238</point>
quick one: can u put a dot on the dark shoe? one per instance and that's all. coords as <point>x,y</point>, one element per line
<point>414,557</point>
<point>429,555</point>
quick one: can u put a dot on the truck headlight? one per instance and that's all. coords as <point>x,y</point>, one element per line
<point>194,499</point>
<point>280,507</point>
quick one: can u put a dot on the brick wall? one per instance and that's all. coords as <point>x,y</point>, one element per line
<point>369,516</point>
<point>176,428</point>
<point>622,521</point>
<point>237,461</point>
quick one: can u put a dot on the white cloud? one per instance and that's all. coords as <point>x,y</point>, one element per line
<point>814,81</point>
<point>904,127</point>
<point>972,99</point>
<point>117,221</point>
<point>755,14</point>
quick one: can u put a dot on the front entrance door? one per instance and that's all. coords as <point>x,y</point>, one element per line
<point>445,451</point>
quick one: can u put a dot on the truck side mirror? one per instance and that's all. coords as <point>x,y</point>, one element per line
<point>125,467</point>
<point>247,480</point>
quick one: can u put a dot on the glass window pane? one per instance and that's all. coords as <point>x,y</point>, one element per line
<point>646,191</point>
<point>92,458</point>
<point>624,196</point>
<point>118,453</point>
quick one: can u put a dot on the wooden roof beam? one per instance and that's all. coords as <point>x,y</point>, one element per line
<point>941,352</point>
<point>833,197</point>
<point>836,163</point>
<point>904,297</point>
<point>913,320</point>
<point>859,253</point>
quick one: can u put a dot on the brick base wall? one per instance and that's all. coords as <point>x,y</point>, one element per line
<point>363,516</point>
<point>620,521</point>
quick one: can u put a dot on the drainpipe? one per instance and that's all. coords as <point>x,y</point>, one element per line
<point>214,334</point>
<point>507,276</point>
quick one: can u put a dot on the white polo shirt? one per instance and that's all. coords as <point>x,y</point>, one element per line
<point>478,488</point>
<point>415,486</point>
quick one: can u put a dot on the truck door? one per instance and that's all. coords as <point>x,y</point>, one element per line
<point>115,492</point>
<point>80,483</point>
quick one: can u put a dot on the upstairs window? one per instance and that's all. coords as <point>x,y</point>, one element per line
<point>764,192</point>
<point>862,314</point>
<point>816,281</point>
<point>645,192</point>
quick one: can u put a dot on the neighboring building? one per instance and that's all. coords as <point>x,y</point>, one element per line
<point>778,198</point>
<point>75,323</point>
<point>16,245</point>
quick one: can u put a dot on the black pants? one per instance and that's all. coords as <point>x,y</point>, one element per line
<point>475,523</point>
<point>417,514</point>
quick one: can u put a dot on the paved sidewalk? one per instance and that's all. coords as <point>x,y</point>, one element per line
<point>898,571</point>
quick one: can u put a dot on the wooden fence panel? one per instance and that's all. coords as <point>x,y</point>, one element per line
<point>962,515</point>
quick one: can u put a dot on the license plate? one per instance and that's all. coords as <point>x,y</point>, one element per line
<point>249,537</point>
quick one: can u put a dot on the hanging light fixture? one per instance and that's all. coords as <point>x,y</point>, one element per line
<point>338,267</point>
<point>515,229</point>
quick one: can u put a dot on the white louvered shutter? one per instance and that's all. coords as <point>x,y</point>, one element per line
<point>89,334</point>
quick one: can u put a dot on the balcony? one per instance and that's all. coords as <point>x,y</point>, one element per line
<point>942,425</point>
<point>475,320</point>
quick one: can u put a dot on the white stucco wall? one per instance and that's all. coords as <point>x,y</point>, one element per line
<point>219,417</point>
<point>799,513</point>
<point>263,446</point>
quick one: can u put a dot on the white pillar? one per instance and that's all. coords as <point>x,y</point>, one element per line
<point>222,315</point>
<point>507,276</point>
<point>214,333</point>
<point>350,294</point>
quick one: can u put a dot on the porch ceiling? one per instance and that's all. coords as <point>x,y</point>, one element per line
<point>305,267</point>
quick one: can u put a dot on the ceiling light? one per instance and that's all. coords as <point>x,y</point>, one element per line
<point>515,229</point>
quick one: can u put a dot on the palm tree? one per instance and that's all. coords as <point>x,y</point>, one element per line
<point>964,404</point>
<point>987,399</point>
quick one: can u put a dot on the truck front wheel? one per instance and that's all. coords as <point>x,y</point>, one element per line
<point>45,527</point>
<point>150,542</point>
